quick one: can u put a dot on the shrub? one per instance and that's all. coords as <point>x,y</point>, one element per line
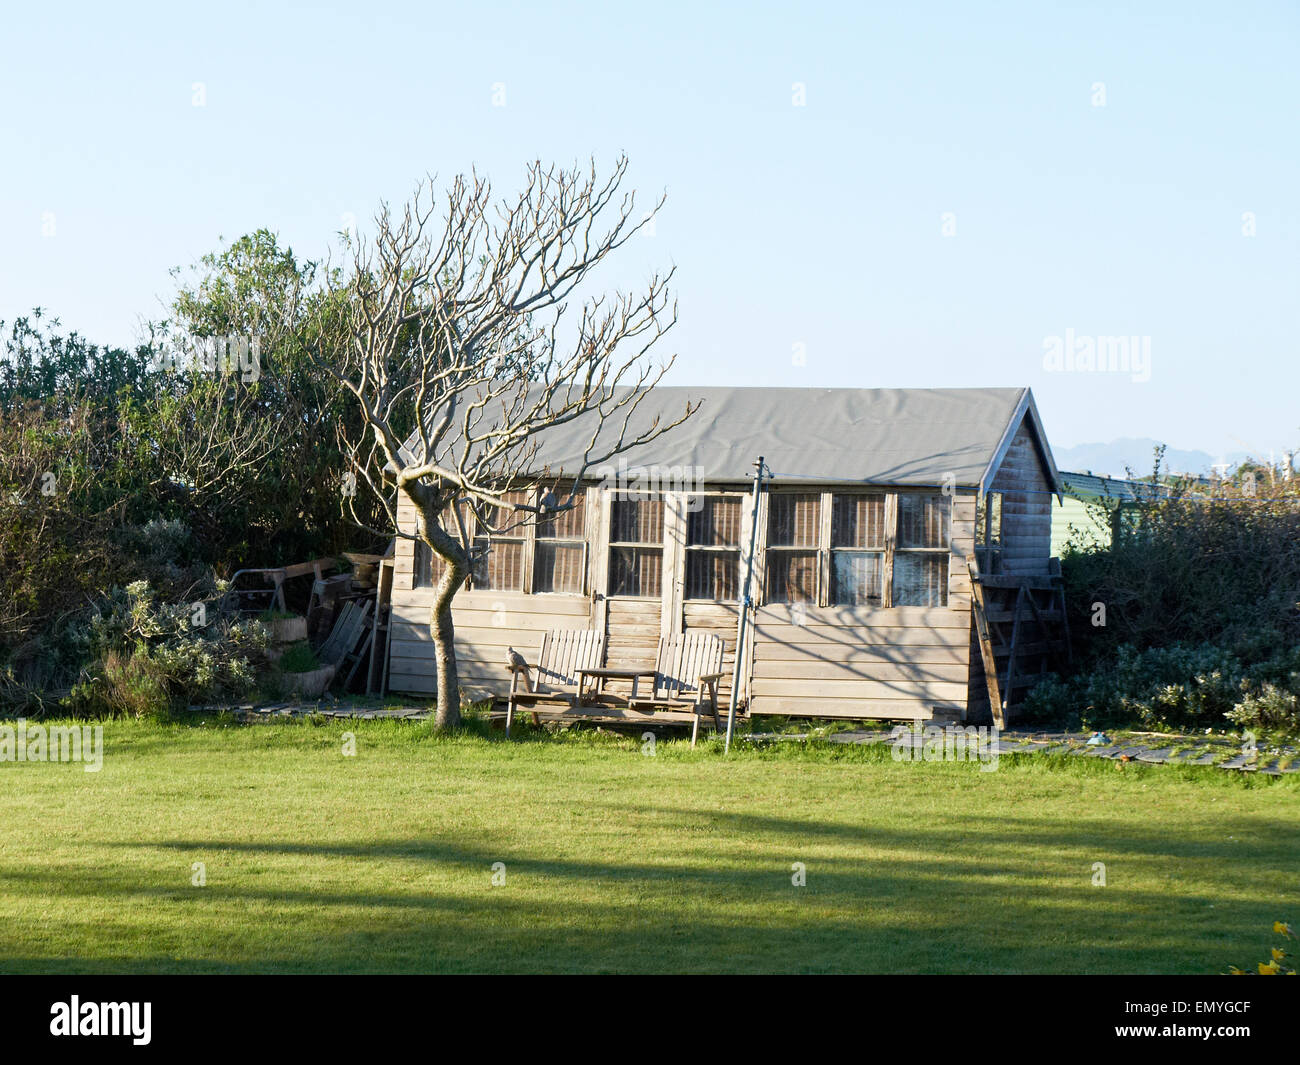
<point>1201,565</point>
<point>1273,709</point>
<point>1201,589</point>
<point>1176,688</point>
<point>148,657</point>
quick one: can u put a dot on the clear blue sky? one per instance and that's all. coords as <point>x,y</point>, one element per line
<point>818,225</point>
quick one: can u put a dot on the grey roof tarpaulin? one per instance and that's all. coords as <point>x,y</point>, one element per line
<point>906,436</point>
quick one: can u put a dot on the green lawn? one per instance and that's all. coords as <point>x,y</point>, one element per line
<point>616,861</point>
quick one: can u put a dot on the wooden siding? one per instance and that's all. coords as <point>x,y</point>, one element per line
<point>862,662</point>
<point>1027,509</point>
<point>1075,519</point>
<point>1026,505</point>
<point>486,623</point>
<point>720,619</point>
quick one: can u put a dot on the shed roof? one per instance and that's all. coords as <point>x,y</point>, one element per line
<point>1093,486</point>
<point>901,436</point>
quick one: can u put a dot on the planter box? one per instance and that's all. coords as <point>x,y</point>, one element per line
<point>288,630</point>
<point>312,684</point>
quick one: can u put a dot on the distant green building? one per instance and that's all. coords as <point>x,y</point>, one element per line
<point>1077,513</point>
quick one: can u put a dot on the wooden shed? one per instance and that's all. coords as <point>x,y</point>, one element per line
<point>862,598</point>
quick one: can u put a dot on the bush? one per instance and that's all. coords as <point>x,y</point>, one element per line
<point>1175,688</point>
<point>149,657</point>
<point>1217,564</point>
<point>1201,590</point>
<point>1273,709</point>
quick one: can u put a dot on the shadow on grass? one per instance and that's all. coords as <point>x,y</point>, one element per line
<point>1009,895</point>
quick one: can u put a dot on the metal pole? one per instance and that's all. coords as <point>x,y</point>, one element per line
<point>743,624</point>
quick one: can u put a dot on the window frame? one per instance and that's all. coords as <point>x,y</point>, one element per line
<point>944,550</point>
<point>817,550</point>
<point>583,537</point>
<point>883,550</point>
<point>422,575</point>
<point>824,550</point>
<point>612,500</point>
<point>988,546</point>
<point>521,535</point>
<point>739,498</point>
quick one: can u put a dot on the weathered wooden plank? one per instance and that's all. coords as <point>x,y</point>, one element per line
<point>858,688</point>
<point>859,654</point>
<point>947,636</point>
<point>515,602</point>
<point>865,709</point>
<point>481,622</point>
<point>947,672</point>
<point>897,617</point>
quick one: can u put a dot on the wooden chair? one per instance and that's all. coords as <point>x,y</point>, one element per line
<point>562,653</point>
<point>687,672</point>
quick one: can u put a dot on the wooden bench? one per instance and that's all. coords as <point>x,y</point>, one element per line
<point>562,653</point>
<point>687,671</point>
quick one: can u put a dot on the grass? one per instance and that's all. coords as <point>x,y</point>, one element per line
<point>616,861</point>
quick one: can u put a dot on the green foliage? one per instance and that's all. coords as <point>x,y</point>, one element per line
<point>1179,687</point>
<point>1217,563</point>
<point>299,658</point>
<point>148,656</point>
<point>116,466</point>
<point>291,507</point>
<point>1200,588</point>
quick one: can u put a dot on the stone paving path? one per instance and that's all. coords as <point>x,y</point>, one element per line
<point>250,713</point>
<point>1225,752</point>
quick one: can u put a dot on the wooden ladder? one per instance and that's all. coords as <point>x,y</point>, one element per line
<point>999,601</point>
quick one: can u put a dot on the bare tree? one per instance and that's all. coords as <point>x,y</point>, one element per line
<point>459,353</point>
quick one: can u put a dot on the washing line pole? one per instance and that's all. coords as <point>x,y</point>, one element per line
<point>742,626</point>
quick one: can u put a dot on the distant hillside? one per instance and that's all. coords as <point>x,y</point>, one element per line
<point>1113,459</point>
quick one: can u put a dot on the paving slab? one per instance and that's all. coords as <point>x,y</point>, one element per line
<point>1158,756</point>
<point>1196,756</point>
<point>859,737</point>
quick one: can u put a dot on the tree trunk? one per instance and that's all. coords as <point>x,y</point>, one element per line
<point>443,632</point>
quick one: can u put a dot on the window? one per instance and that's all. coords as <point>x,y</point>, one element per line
<point>560,561</point>
<point>988,532</point>
<point>844,561</point>
<point>857,550</point>
<point>500,567</point>
<point>428,566</point>
<point>793,539</point>
<point>636,547</point>
<point>921,557</point>
<point>554,551</point>
<point>713,548</point>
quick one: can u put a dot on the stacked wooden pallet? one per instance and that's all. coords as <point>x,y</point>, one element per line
<point>348,644</point>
